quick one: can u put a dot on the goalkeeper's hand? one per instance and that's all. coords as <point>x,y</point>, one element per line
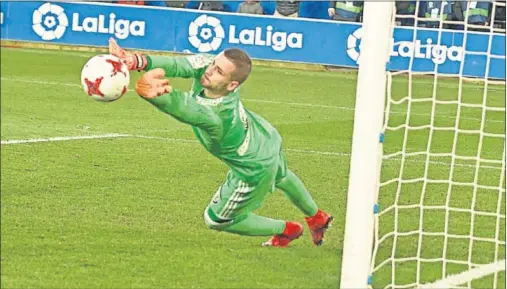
<point>153,84</point>
<point>132,60</point>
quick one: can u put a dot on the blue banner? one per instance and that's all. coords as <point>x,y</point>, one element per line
<point>263,37</point>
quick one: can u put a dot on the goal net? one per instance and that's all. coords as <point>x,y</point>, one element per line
<point>440,206</point>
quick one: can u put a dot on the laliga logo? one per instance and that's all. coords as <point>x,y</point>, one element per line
<point>206,33</point>
<point>352,52</point>
<point>49,21</point>
<point>435,52</point>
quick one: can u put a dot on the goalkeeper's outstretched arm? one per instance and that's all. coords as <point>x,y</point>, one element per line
<point>179,66</point>
<point>182,106</point>
<point>174,66</point>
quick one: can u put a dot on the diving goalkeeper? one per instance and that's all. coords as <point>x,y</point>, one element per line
<point>249,145</point>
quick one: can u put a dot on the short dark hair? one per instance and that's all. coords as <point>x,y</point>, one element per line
<point>241,61</point>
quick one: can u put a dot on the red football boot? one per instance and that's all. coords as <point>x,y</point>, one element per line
<point>292,231</point>
<point>318,225</point>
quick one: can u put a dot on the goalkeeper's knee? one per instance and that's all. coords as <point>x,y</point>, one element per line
<point>214,222</point>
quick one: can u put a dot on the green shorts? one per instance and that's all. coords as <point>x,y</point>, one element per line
<point>237,198</point>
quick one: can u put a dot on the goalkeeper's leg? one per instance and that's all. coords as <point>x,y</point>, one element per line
<point>295,190</point>
<point>318,221</point>
<point>230,211</point>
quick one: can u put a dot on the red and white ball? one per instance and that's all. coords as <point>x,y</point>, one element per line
<point>105,77</point>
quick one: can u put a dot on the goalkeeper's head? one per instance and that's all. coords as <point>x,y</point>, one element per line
<point>228,71</point>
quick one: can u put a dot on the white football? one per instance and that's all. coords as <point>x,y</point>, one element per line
<point>105,77</point>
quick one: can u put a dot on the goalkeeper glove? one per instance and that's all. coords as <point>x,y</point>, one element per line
<point>153,84</point>
<point>132,60</point>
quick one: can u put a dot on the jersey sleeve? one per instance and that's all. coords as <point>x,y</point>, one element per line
<point>183,107</point>
<point>191,66</point>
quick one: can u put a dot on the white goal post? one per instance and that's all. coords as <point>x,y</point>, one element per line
<point>365,157</point>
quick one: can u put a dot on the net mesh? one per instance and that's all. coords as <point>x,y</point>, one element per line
<point>441,195</point>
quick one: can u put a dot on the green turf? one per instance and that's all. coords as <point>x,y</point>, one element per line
<point>127,212</point>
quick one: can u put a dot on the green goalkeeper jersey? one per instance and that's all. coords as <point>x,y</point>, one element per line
<point>243,140</point>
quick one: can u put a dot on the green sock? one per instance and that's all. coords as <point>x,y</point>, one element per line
<point>254,225</point>
<point>294,189</point>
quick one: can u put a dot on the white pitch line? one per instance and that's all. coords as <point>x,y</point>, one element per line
<point>303,151</point>
<point>299,104</point>
<point>51,52</point>
<point>40,82</point>
<point>250,100</point>
<point>318,152</point>
<point>179,140</point>
<point>467,276</point>
<point>288,149</point>
<point>182,140</point>
<point>63,138</point>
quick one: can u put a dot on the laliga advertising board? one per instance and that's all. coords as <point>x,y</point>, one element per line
<point>75,24</point>
<point>263,37</point>
<point>51,22</point>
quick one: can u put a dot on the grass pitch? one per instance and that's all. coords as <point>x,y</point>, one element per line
<point>127,211</point>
